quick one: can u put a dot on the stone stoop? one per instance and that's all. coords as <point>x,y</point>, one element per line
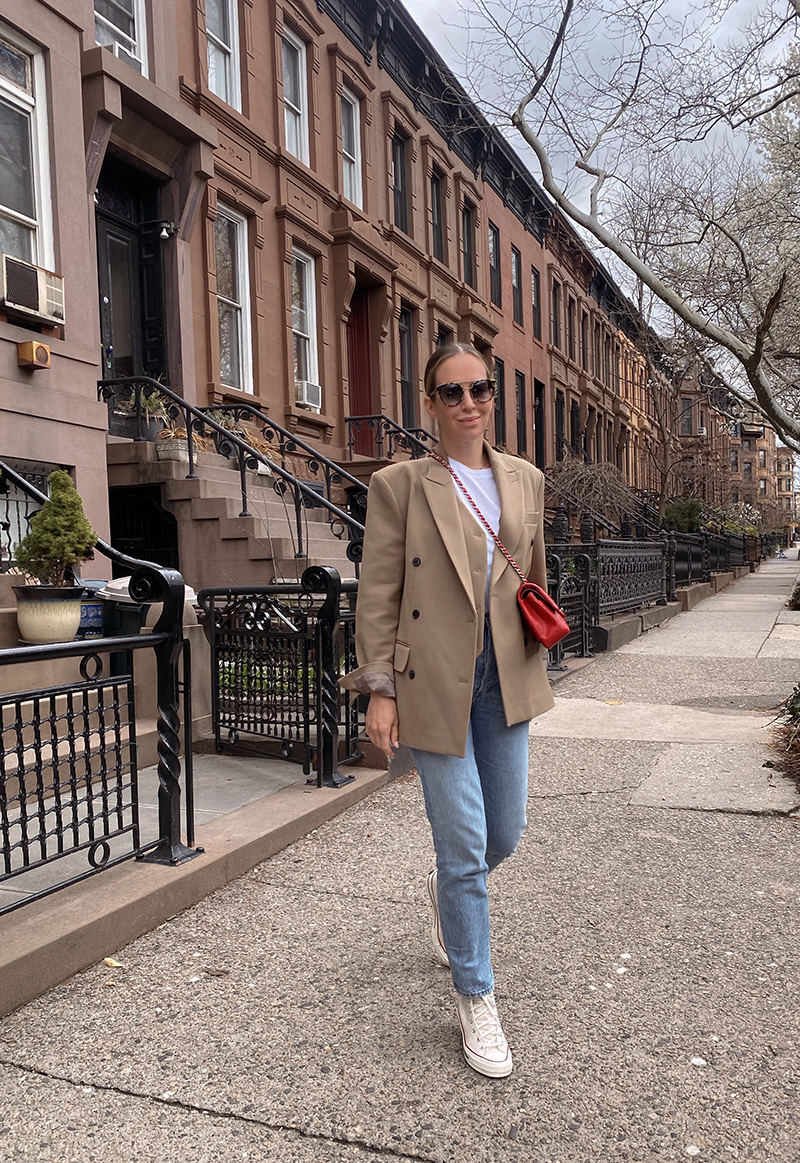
<point>217,545</point>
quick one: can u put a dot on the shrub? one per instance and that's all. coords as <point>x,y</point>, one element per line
<point>60,536</point>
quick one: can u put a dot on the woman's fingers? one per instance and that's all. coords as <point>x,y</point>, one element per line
<point>383,724</point>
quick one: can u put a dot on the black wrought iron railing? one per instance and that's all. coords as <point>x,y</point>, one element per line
<point>68,754</point>
<point>386,438</point>
<point>276,655</point>
<point>341,495</point>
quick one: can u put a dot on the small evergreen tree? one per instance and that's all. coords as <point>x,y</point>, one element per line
<point>684,515</point>
<point>59,537</point>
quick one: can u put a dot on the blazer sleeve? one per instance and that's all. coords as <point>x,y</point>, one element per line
<point>538,570</point>
<point>380,590</point>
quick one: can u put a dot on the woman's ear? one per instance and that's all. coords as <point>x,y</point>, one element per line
<point>430,407</point>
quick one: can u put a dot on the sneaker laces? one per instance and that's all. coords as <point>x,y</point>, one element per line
<point>486,1022</point>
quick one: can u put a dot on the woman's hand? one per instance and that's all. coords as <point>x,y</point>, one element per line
<point>382,723</point>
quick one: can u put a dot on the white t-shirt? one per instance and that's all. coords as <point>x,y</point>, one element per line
<point>482,487</point>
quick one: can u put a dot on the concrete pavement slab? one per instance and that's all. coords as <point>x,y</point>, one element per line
<point>775,647</point>
<point>306,1008</point>
<point>669,641</point>
<point>609,719</point>
<point>717,777</point>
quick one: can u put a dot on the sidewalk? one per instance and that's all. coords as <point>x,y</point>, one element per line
<point>645,941</point>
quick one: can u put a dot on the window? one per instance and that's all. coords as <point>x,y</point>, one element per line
<point>762,458</point>
<point>747,444</point>
<point>598,345</point>
<point>233,299</point>
<point>25,223</point>
<point>443,335</point>
<point>522,423</point>
<point>762,487</point>
<point>351,147</point>
<point>120,26</point>
<point>468,242</point>
<point>556,313</point>
<point>735,496</point>
<point>400,181</point>
<point>575,431</point>
<point>516,284</point>
<point>295,95</point>
<point>304,317</point>
<point>571,319</point>
<point>747,470</point>
<point>500,402</point>
<point>536,302</point>
<point>734,460</point>
<point>222,34</point>
<point>560,425</point>
<point>437,216</point>
<point>495,271</point>
<point>585,341</point>
<point>408,400</point>
<point>686,428</point>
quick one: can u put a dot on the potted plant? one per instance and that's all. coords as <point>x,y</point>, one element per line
<point>173,443</point>
<point>60,537</point>
<point>153,414</point>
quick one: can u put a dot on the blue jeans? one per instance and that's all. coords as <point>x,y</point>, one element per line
<point>476,808</point>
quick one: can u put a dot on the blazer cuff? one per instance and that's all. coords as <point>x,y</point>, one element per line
<point>375,678</point>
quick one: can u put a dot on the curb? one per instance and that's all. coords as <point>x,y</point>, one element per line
<point>46,942</point>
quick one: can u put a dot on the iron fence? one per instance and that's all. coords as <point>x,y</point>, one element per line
<point>68,756</point>
<point>630,574</point>
<point>572,582</point>
<point>276,655</point>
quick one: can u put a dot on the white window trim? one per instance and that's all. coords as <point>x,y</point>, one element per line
<point>310,264</point>
<point>354,102</point>
<point>291,38</point>
<point>243,306</point>
<point>44,247</point>
<point>234,71</point>
<point>140,24</point>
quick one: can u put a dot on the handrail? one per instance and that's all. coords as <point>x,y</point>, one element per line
<point>413,440</point>
<point>148,583</point>
<point>229,443</point>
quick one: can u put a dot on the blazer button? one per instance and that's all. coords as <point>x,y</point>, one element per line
<point>415,561</point>
<point>412,674</point>
<point>415,613</point>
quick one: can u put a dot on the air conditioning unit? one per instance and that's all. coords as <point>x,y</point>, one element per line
<point>702,432</point>
<point>308,395</point>
<point>30,290</point>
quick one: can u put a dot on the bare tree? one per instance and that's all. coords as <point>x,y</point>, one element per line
<point>652,115</point>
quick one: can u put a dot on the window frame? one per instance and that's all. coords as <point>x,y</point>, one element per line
<point>400,191</point>
<point>355,161</point>
<point>407,364</point>
<point>233,64</point>
<point>290,39</point>
<point>536,302</point>
<point>495,267</point>
<point>555,313</point>
<point>571,331</point>
<point>468,258</point>
<point>244,305</point>
<point>309,263</point>
<point>140,26</point>
<point>686,417</point>
<point>35,106</point>
<point>522,411</point>
<point>438,249</point>
<point>518,310</point>
<point>500,434</point>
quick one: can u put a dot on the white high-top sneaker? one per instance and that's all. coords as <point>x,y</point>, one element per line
<point>485,1047</point>
<point>439,951</point>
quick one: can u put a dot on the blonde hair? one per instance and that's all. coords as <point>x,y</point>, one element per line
<point>447,351</point>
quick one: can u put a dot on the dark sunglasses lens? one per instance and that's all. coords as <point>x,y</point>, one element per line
<point>450,394</point>
<point>482,391</point>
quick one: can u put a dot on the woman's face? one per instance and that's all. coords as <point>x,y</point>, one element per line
<point>468,420</point>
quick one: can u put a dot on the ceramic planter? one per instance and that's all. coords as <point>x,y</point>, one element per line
<point>48,614</point>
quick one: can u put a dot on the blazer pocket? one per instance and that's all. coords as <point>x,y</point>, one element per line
<point>401,653</point>
<point>531,517</point>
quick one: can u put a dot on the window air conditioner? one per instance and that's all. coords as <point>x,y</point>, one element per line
<point>30,290</point>
<point>702,431</point>
<point>308,395</point>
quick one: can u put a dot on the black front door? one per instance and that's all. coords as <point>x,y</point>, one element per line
<point>129,272</point>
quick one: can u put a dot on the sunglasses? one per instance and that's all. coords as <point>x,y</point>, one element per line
<point>481,391</point>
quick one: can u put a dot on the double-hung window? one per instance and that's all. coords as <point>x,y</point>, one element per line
<point>304,317</point>
<point>500,401</point>
<point>536,302</point>
<point>495,270</point>
<point>468,242</point>
<point>516,285</point>
<point>295,95</point>
<point>556,313</point>
<point>25,214</point>
<point>437,216</point>
<point>687,422</point>
<point>222,33</point>
<point>351,147</point>
<point>571,309</point>
<point>233,299</point>
<point>400,181</point>
<point>120,26</point>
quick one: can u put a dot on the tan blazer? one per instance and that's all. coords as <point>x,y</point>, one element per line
<point>420,610</point>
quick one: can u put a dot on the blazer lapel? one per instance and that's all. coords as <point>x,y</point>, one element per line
<point>439,489</point>
<point>512,509</point>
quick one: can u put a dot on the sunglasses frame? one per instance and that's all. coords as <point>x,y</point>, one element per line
<point>471,388</point>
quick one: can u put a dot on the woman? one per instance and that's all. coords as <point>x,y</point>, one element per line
<point>449,672</point>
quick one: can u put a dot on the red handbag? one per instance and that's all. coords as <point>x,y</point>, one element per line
<point>541,616</point>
